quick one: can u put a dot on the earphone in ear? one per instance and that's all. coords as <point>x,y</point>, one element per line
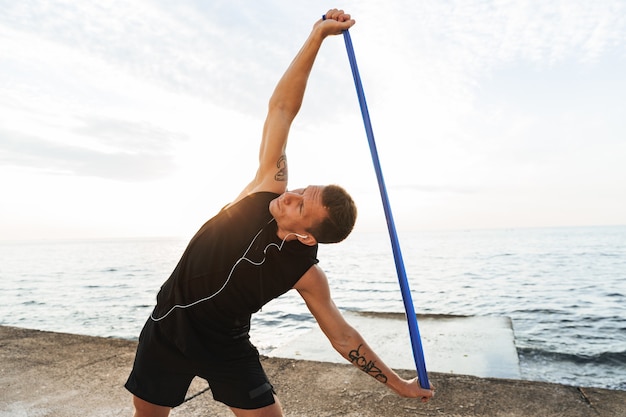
<point>301,236</point>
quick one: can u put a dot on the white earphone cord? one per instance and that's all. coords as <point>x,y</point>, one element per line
<point>243,258</point>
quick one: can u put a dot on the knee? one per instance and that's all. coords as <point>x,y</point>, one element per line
<point>145,409</point>
<point>274,410</point>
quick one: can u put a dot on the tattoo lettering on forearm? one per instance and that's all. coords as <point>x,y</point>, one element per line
<point>281,175</point>
<point>366,366</point>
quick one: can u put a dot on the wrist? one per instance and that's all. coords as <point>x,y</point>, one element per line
<point>318,33</point>
<point>397,384</point>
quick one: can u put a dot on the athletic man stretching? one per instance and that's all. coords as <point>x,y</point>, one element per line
<point>255,249</point>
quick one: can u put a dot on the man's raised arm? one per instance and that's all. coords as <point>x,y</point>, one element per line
<point>285,104</point>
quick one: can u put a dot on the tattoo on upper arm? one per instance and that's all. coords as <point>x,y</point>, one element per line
<point>366,366</point>
<point>281,164</point>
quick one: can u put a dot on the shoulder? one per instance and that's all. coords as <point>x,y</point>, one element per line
<point>260,185</point>
<point>253,199</point>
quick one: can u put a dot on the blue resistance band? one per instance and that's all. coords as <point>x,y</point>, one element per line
<point>416,343</point>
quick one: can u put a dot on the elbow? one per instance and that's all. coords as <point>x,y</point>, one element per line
<point>284,108</point>
<point>346,342</point>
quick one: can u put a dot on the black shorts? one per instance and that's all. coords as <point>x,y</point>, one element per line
<point>161,375</point>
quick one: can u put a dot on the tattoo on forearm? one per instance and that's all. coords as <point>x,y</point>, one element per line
<point>281,175</point>
<point>366,366</point>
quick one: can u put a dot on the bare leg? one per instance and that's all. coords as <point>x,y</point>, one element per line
<point>274,410</point>
<point>146,409</point>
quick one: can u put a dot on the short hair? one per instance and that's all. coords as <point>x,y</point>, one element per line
<point>341,217</point>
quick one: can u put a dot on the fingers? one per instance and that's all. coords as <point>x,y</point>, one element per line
<point>430,394</point>
<point>338,15</point>
<point>427,394</point>
<point>334,22</point>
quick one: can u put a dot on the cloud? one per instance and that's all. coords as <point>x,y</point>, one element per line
<point>55,158</point>
<point>467,98</point>
<point>443,50</point>
<point>131,136</point>
<point>168,45</point>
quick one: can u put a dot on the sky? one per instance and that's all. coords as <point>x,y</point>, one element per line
<point>143,118</point>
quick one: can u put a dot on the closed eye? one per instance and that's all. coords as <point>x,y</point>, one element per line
<point>302,192</point>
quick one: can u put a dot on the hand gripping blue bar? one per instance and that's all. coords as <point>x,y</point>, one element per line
<point>416,343</point>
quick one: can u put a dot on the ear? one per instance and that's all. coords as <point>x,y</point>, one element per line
<point>307,239</point>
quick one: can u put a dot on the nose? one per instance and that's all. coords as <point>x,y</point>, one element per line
<point>291,197</point>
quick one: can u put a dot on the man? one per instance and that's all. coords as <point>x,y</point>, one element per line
<point>256,248</point>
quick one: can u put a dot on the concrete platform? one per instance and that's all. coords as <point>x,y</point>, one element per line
<point>480,346</point>
<point>44,374</point>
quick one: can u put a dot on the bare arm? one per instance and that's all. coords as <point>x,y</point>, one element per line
<point>284,105</point>
<point>314,289</point>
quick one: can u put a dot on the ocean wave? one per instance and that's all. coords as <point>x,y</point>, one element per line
<point>603,358</point>
<point>541,311</point>
<point>33,303</point>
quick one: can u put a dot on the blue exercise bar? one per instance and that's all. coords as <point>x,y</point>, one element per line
<point>416,342</point>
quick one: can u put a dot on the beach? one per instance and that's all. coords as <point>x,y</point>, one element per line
<point>58,374</point>
<point>563,290</point>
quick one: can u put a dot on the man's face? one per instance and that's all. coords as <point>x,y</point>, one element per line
<point>298,210</point>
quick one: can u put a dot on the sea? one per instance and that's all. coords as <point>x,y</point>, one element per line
<point>564,290</point>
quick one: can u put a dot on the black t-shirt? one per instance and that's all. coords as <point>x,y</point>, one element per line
<point>232,267</point>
